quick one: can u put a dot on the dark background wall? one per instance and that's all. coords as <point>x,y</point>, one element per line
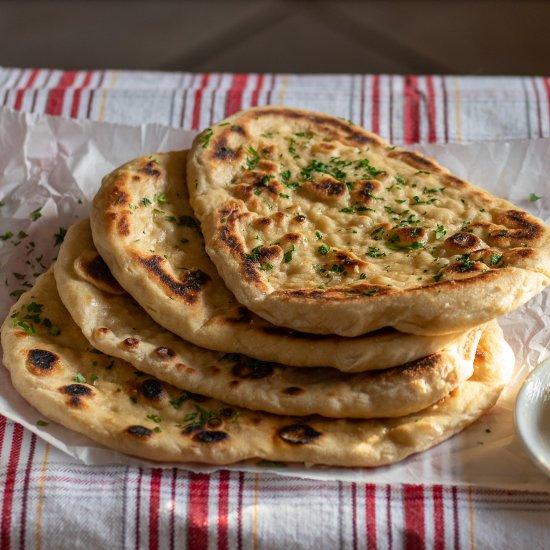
<point>392,36</point>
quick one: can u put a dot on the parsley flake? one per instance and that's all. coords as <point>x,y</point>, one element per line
<point>374,252</point>
<point>288,254</point>
<point>534,198</point>
<point>439,232</point>
<point>252,160</point>
<point>204,138</point>
<point>59,236</point>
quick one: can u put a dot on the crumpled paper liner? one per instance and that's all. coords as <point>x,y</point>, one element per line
<point>50,169</point>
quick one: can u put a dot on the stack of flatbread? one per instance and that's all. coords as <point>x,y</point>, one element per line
<point>291,289</point>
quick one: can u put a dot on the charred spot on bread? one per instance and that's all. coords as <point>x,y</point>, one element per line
<point>252,369</point>
<point>131,342</point>
<point>416,160</point>
<point>152,389</point>
<point>140,432</point>
<point>94,269</point>
<point>462,242</point>
<point>298,434</point>
<point>123,225</point>
<point>364,191</point>
<point>521,225</point>
<point>151,169</point>
<point>222,151</point>
<point>165,352</point>
<point>210,436</point>
<point>118,197</point>
<point>42,362</point>
<point>188,287</point>
<point>326,188</point>
<point>77,393</point>
<point>293,390</point>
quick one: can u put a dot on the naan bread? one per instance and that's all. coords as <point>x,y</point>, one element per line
<point>317,225</point>
<point>54,368</point>
<point>144,229</point>
<point>116,325</point>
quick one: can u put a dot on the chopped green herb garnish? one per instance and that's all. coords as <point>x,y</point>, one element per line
<point>22,235</point>
<point>465,263</point>
<point>439,276</point>
<point>318,235</point>
<point>370,292</point>
<point>366,165</point>
<point>253,159</point>
<point>42,423</point>
<point>323,249</point>
<point>7,235</point>
<point>374,252</point>
<point>356,209</point>
<point>255,255</point>
<point>439,232</point>
<point>203,416</point>
<point>223,124</point>
<point>36,214</point>
<point>362,276</point>
<point>400,179</point>
<point>288,254</point>
<point>323,168</point>
<point>60,236</point>
<point>337,268</point>
<point>378,233</point>
<point>534,198</point>
<point>284,196</point>
<point>80,378</point>
<point>154,418</point>
<point>494,259</point>
<point>286,175</point>
<point>204,138</point>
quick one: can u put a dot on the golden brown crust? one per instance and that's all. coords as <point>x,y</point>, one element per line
<point>116,325</point>
<point>115,405</point>
<point>163,264</point>
<point>392,217</point>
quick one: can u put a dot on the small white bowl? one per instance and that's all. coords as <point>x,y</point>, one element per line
<point>532,415</point>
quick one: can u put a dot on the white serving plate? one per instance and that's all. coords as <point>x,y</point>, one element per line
<point>532,415</point>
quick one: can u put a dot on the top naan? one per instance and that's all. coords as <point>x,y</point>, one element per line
<point>318,225</point>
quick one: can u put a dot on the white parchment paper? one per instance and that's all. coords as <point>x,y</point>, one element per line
<point>50,168</point>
